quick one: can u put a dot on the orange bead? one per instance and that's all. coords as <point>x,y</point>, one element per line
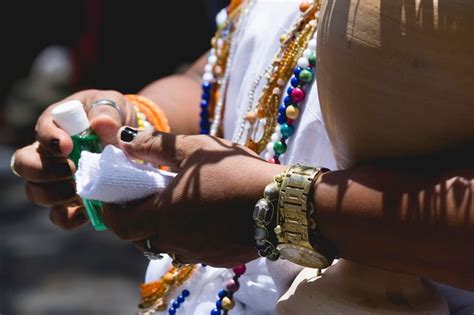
<point>251,117</point>
<point>169,278</point>
<point>304,6</point>
<point>251,145</point>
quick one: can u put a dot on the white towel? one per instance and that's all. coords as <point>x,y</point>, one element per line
<point>113,177</point>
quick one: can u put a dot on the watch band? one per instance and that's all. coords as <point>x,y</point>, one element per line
<point>294,218</point>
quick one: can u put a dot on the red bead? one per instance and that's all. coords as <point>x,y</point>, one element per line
<point>239,270</point>
<point>289,121</point>
<point>297,95</point>
<point>272,161</point>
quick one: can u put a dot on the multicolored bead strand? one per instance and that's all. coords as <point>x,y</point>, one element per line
<point>289,110</point>
<point>226,302</point>
<point>177,303</point>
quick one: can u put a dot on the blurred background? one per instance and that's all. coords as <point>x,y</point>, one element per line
<point>51,49</point>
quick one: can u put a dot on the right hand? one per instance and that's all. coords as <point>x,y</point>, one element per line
<point>44,164</point>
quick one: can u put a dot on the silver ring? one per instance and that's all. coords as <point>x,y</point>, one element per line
<point>108,102</point>
<point>149,253</point>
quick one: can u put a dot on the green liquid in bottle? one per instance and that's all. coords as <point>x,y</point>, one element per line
<point>88,141</point>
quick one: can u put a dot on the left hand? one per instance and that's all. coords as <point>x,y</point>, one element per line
<point>205,214</point>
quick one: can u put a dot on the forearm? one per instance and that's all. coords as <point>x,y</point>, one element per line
<point>411,222</point>
<point>179,97</point>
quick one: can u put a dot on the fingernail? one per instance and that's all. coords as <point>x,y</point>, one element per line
<point>55,145</point>
<point>128,134</point>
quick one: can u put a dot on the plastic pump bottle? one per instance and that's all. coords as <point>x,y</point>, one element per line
<point>72,118</point>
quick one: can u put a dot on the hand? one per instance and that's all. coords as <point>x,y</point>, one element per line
<point>44,165</point>
<point>205,214</point>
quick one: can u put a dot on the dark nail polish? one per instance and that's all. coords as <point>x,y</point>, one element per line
<point>128,134</point>
<point>55,145</point>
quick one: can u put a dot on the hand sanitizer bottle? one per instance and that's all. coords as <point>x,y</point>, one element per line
<point>72,118</point>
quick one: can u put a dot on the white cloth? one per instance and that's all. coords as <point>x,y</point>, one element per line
<point>112,177</point>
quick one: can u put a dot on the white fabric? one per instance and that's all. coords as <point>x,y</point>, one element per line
<point>113,177</point>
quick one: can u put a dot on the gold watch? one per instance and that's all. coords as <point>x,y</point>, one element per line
<point>295,219</point>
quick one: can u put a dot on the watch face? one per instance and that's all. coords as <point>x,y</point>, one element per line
<point>303,256</point>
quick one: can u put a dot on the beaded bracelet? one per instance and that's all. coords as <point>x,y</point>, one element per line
<point>154,295</point>
<point>264,216</point>
<point>150,112</point>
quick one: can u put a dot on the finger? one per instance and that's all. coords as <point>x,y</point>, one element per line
<point>68,217</point>
<point>158,147</point>
<point>53,140</point>
<point>51,194</point>
<point>133,222</point>
<point>105,119</point>
<point>33,166</point>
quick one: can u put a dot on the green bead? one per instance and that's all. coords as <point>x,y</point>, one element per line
<point>287,130</point>
<point>306,76</point>
<point>312,59</point>
<point>279,147</point>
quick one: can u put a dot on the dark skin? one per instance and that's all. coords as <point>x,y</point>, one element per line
<point>205,214</point>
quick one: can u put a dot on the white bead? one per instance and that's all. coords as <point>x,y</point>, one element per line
<point>208,68</point>
<point>270,148</point>
<point>208,77</point>
<point>275,137</point>
<point>212,59</point>
<point>212,52</point>
<point>220,42</point>
<point>277,128</point>
<point>221,17</point>
<point>276,91</point>
<point>281,82</point>
<point>312,44</point>
<point>306,53</point>
<point>303,62</point>
<point>268,156</point>
<point>312,23</point>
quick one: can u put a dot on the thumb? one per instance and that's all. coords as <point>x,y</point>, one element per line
<point>156,147</point>
<point>107,112</point>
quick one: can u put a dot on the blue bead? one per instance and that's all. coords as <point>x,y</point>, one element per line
<point>204,131</point>
<point>204,104</point>
<point>171,311</point>
<point>297,71</point>
<point>289,90</point>
<point>222,294</point>
<point>281,119</point>
<point>287,100</point>
<point>282,109</point>
<point>204,114</point>
<point>185,293</point>
<point>180,299</point>
<point>176,304</point>
<point>205,95</point>
<point>295,81</point>
<point>205,124</point>
<point>219,304</point>
<point>206,86</point>
<point>216,312</point>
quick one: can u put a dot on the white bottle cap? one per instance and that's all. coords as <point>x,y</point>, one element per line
<point>71,117</point>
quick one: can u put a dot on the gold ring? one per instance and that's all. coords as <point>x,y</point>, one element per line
<point>12,163</point>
